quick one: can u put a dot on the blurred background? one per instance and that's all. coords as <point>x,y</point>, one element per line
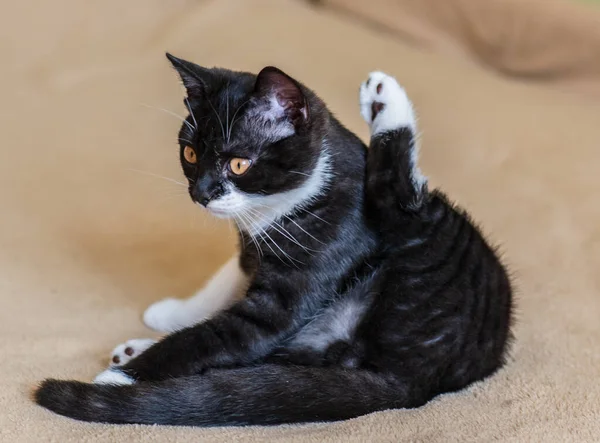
<point>93,230</point>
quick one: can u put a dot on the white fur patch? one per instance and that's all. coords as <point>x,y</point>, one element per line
<point>254,213</point>
<point>271,115</point>
<point>336,323</point>
<point>226,286</point>
<point>433,340</point>
<point>128,350</point>
<point>113,377</point>
<point>397,113</point>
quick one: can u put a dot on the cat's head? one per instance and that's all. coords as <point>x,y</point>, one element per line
<point>253,146</point>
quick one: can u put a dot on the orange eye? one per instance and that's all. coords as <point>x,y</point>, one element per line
<point>190,155</point>
<point>239,165</point>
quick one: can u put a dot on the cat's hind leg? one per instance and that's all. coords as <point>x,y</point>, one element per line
<point>394,181</point>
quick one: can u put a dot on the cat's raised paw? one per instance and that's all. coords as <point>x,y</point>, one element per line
<point>384,104</point>
<point>128,350</point>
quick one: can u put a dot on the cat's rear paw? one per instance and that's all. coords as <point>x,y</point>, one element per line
<point>128,350</point>
<point>113,377</point>
<point>164,316</point>
<point>384,104</point>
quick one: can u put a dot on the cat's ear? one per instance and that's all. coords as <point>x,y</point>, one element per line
<point>195,78</point>
<point>283,95</point>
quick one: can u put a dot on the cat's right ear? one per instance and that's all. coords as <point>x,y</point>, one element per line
<point>195,78</point>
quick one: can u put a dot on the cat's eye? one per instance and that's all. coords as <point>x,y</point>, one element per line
<point>239,165</point>
<point>190,155</point>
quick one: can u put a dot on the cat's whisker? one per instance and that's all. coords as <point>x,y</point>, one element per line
<point>239,228</point>
<point>233,119</point>
<point>300,173</point>
<point>259,231</point>
<point>302,229</point>
<point>227,113</point>
<point>289,257</point>
<point>172,180</point>
<point>185,140</point>
<point>300,209</point>
<point>256,244</point>
<point>258,248</point>
<point>177,116</point>
<point>314,215</point>
<point>253,240</point>
<point>218,118</point>
<point>279,228</point>
<point>187,103</point>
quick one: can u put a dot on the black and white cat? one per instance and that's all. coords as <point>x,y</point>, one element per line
<point>361,289</point>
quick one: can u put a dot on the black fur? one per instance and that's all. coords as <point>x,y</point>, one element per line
<point>386,297</point>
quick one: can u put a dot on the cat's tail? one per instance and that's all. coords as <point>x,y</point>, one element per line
<point>260,395</point>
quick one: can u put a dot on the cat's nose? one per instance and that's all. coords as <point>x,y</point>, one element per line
<point>206,189</point>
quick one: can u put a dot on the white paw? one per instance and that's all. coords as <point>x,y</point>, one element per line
<point>113,377</point>
<point>384,104</point>
<point>165,315</point>
<point>128,350</point>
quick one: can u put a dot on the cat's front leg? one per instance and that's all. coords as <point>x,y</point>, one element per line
<point>242,334</point>
<point>121,355</point>
<point>168,315</point>
<point>220,292</point>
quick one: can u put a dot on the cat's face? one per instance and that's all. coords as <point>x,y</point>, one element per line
<point>251,147</point>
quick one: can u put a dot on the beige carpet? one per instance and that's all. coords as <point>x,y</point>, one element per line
<point>86,242</point>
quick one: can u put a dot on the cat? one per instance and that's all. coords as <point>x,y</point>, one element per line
<point>362,289</point>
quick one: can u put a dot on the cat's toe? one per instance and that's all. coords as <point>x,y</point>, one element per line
<point>163,316</point>
<point>128,350</point>
<point>384,104</point>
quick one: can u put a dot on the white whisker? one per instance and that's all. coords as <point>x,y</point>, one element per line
<point>218,118</point>
<point>187,102</point>
<point>172,180</point>
<point>289,257</point>
<point>279,228</point>
<point>259,232</point>
<point>299,208</point>
<point>227,115</point>
<point>177,116</point>
<point>233,119</point>
<point>302,229</point>
<point>300,173</point>
<point>258,248</point>
<point>314,215</point>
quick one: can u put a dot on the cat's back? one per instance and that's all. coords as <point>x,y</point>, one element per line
<point>445,298</point>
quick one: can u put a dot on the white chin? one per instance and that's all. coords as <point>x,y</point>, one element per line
<point>220,213</point>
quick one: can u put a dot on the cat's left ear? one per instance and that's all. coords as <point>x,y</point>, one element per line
<point>196,79</point>
<point>283,95</point>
